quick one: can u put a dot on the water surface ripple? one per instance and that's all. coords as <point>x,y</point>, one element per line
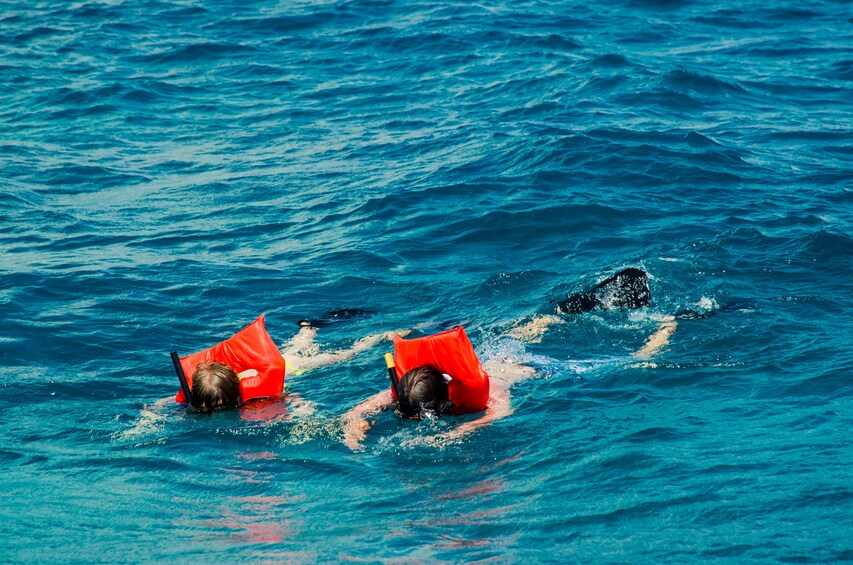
<point>173,169</point>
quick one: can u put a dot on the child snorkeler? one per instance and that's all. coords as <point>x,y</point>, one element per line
<point>216,385</point>
<point>626,290</point>
<point>423,391</point>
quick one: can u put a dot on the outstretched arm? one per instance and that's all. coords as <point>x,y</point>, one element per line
<point>302,353</point>
<point>533,330</point>
<point>355,421</point>
<point>152,419</point>
<point>504,373</point>
<point>657,340</point>
<point>499,407</point>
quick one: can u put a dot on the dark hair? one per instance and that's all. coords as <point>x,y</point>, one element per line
<point>215,386</point>
<point>627,289</point>
<point>422,388</point>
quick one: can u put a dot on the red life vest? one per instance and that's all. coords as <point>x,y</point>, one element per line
<point>450,352</point>
<point>250,348</point>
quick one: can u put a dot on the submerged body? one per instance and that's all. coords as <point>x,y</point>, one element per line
<point>625,290</point>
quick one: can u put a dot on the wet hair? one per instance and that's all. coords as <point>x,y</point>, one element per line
<point>423,389</point>
<point>626,290</point>
<point>215,387</point>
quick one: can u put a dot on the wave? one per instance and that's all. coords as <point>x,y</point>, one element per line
<point>824,246</point>
<point>611,60</point>
<point>277,25</point>
<point>664,98</point>
<point>195,53</point>
<point>175,169</point>
<point>76,179</point>
<point>840,70</point>
<point>695,82</point>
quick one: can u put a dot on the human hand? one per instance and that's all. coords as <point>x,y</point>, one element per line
<point>355,431</point>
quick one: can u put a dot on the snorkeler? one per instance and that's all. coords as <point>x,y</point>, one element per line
<point>250,366</point>
<point>219,385</point>
<point>439,375</point>
<point>431,375</point>
<point>427,391</point>
<point>626,290</point>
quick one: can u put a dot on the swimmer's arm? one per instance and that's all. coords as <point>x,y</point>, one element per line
<point>355,421</point>
<point>301,362</point>
<point>151,419</point>
<point>503,371</point>
<point>657,340</point>
<point>492,414</point>
<point>533,330</point>
<point>499,407</point>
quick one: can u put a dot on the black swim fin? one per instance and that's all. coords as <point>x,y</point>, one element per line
<point>626,290</point>
<point>333,316</point>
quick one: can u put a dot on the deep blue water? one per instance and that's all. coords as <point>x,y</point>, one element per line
<point>170,170</point>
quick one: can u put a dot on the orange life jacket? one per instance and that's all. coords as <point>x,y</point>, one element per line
<point>250,348</point>
<point>450,352</point>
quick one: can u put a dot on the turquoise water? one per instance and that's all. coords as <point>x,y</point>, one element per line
<point>172,170</point>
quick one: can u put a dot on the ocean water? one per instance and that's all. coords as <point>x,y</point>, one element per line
<point>171,170</point>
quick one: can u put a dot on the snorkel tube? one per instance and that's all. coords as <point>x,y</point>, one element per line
<point>176,361</point>
<point>392,374</point>
<point>404,409</point>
